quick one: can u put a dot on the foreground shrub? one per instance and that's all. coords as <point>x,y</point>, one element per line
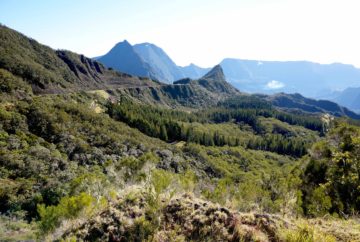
<point>69,207</point>
<point>306,233</point>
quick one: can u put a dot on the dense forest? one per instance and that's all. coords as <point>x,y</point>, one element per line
<point>173,126</point>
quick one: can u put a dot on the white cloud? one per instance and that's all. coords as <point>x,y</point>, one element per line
<point>275,84</point>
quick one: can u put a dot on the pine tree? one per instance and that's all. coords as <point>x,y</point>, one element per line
<point>163,133</point>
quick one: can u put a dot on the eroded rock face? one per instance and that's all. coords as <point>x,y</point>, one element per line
<point>183,218</point>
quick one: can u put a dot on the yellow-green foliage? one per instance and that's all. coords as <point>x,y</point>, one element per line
<point>161,180</point>
<point>10,83</point>
<point>229,130</point>
<point>68,208</point>
<point>187,180</point>
<point>14,229</point>
<point>341,229</point>
<point>272,125</point>
<point>306,233</point>
<point>249,179</point>
<point>89,182</point>
<point>132,168</point>
<point>320,202</point>
<point>56,152</point>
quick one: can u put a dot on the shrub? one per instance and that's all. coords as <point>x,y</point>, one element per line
<point>306,233</point>
<point>69,207</point>
<point>161,180</point>
<point>320,202</point>
<point>188,180</point>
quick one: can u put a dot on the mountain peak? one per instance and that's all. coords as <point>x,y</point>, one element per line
<point>122,57</point>
<point>215,81</point>
<point>123,43</point>
<point>216,73</point>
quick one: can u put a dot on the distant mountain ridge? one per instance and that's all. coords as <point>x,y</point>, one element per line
<point>350,98</point>
<point>298,102</point>
<point>194,71</point>
<point>148,60</point>
<point>25,62</point>
<point>308,78</point>
<point>253,76</point>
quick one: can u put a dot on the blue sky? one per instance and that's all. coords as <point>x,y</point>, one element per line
<point>198,31</point>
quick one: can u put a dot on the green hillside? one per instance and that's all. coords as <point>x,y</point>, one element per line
<point>91,154</point>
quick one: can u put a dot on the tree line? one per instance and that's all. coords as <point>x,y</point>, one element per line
<point>169,125</point>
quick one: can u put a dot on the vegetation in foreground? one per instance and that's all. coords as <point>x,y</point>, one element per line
<point>64,163</point>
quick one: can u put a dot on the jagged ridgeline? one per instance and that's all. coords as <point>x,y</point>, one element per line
<point>88,153</point>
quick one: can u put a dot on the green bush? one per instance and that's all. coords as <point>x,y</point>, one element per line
<point>10,83</point>
<point>331,177</point>
<point>306,233</point>
<point>320,202</point>
<point>68,208</point>
<point>161,180</point>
